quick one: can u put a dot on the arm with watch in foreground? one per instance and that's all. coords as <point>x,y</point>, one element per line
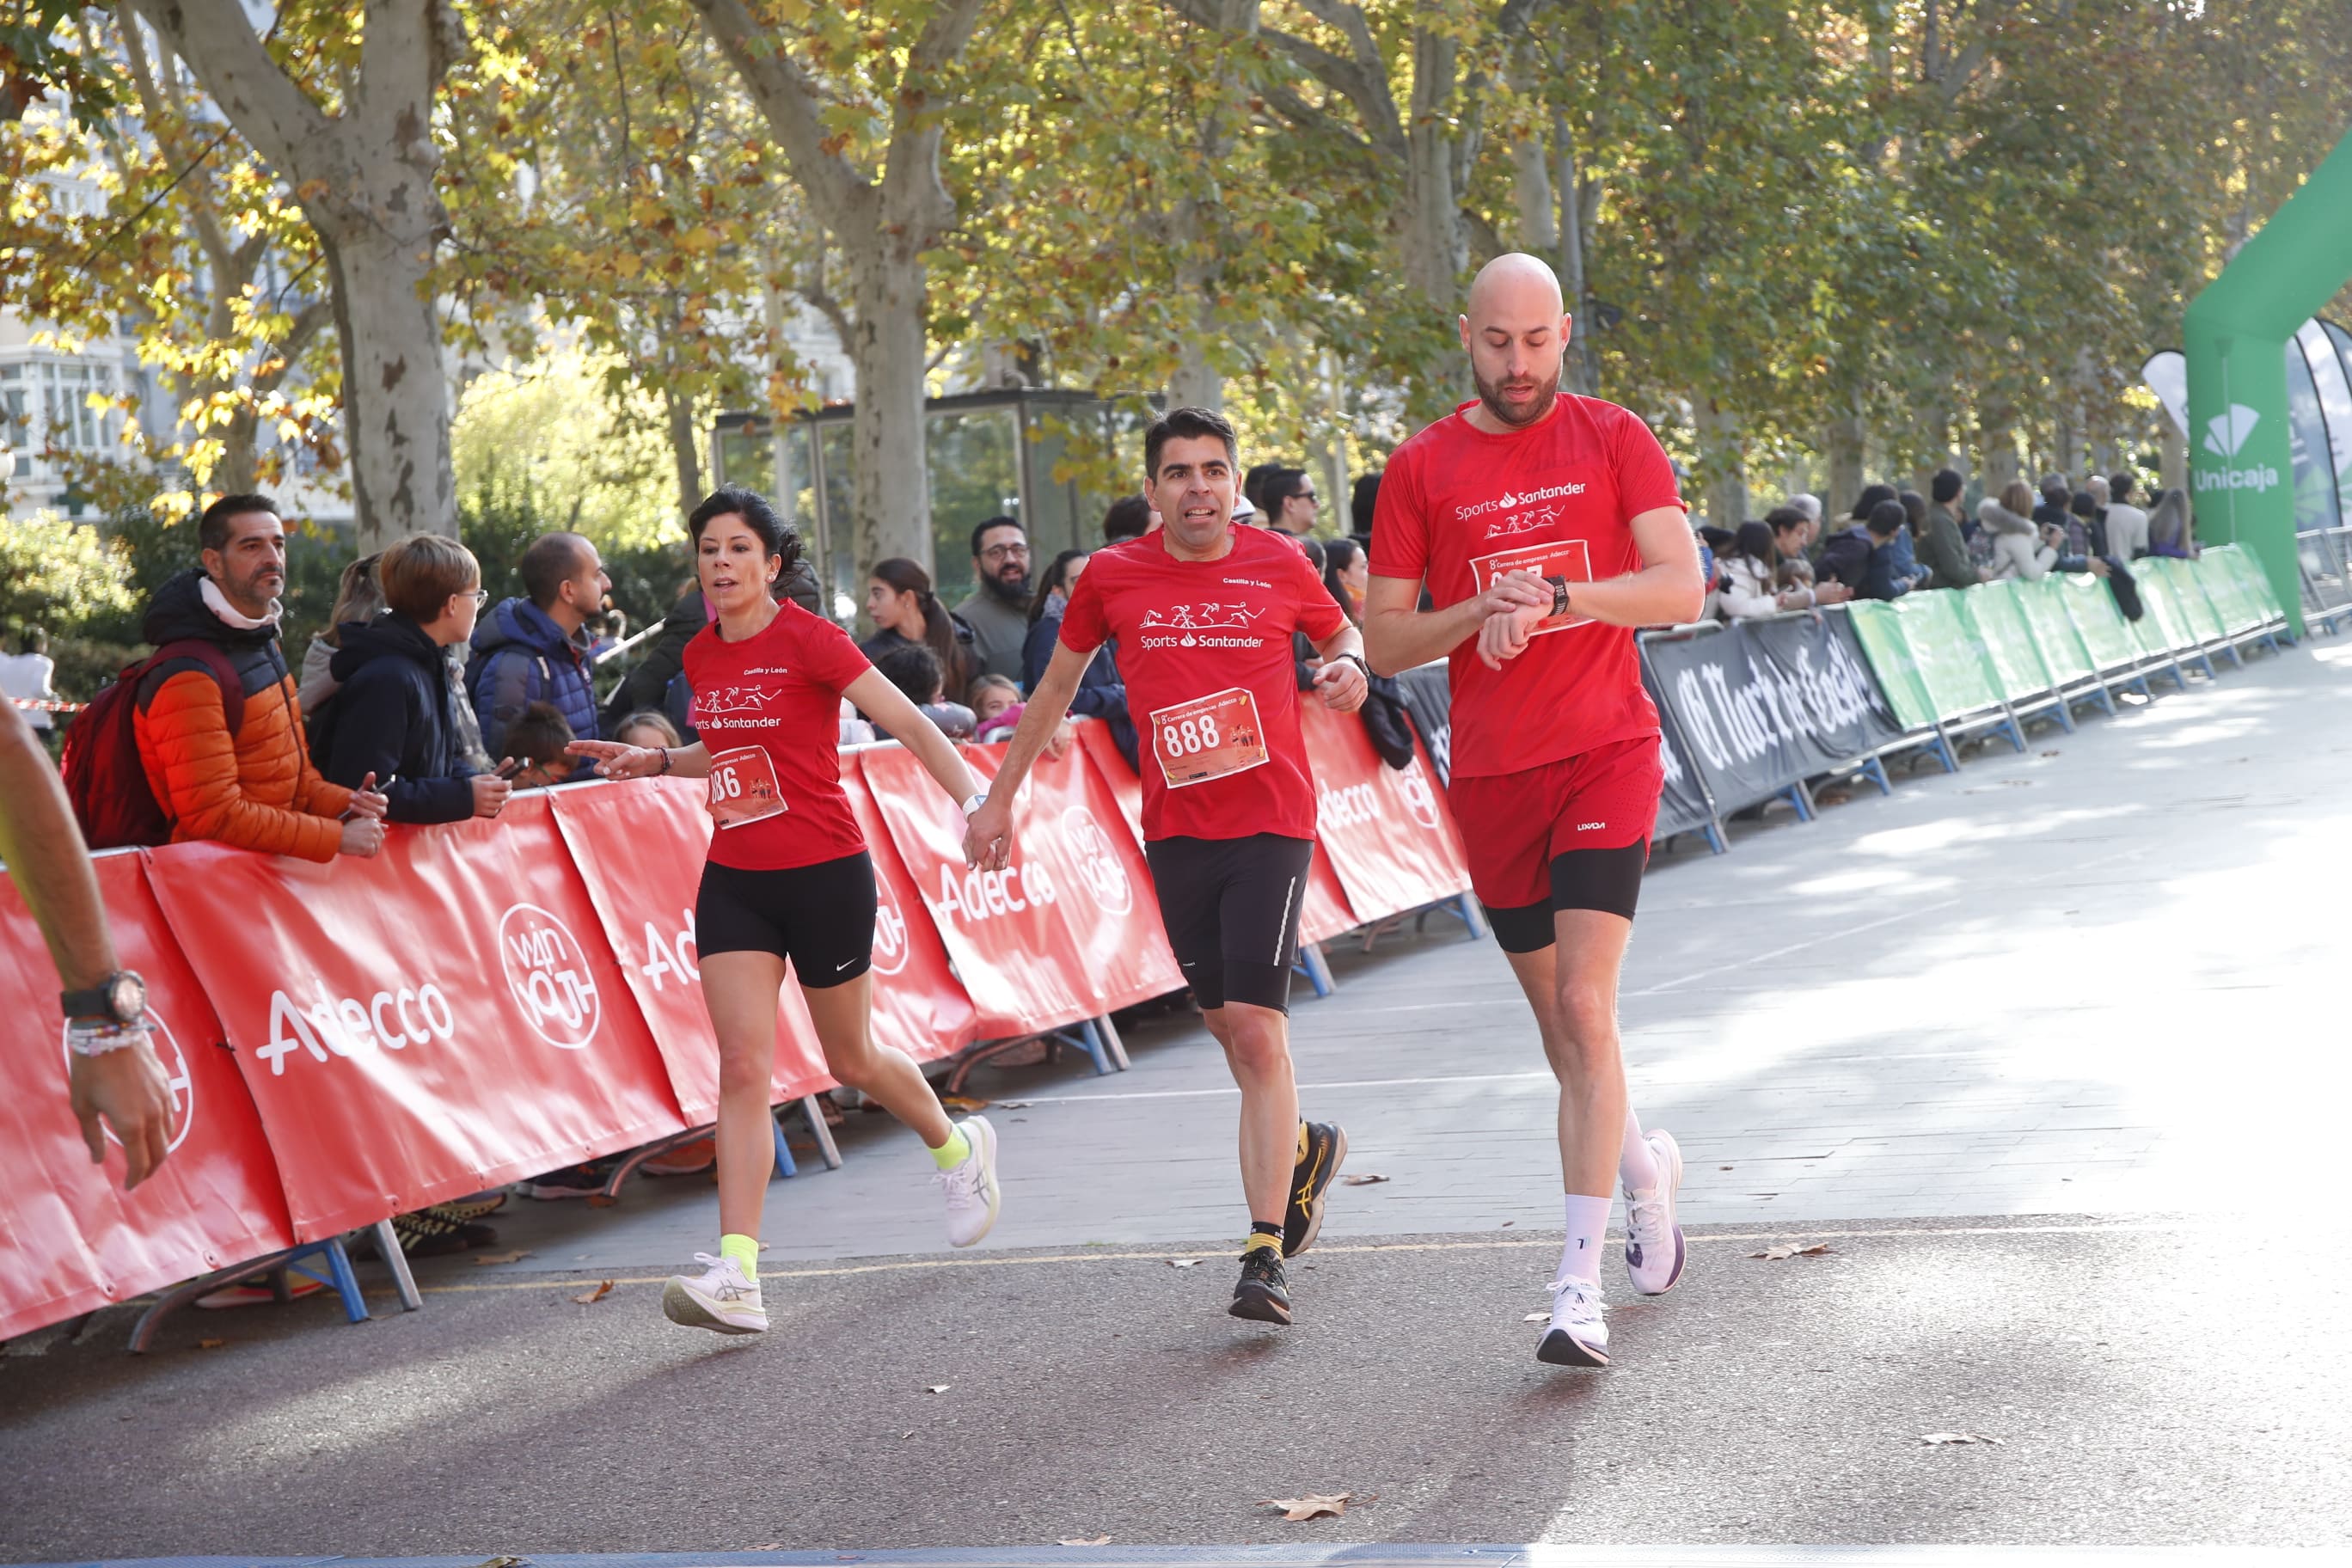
<point>116,1079</point>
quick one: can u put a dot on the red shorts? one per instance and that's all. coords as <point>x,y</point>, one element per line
<point>1514,825</point>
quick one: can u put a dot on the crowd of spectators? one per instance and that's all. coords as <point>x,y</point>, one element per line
<point>1897,542</point>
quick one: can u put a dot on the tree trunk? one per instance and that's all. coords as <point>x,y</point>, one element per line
<point>1723,461</point>
<point>891,490</point>
<point>1434,247</point>
<point>1531,185</point>
<point>2173,455</point>
<point>364,178</point>
<point>684,449</point>
<point>1582,371</point>
<point>1996,436</point>
<point>1844,450</point>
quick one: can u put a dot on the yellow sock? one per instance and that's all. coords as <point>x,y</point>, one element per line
<point>1264,1234</point>
<point>744,1250</point>
<point>1300,1157</point>
<point>954,1152</point>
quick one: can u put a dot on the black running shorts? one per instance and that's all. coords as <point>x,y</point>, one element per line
<point>1609,880</point>
<point>1231,907</point>
<point>821,916</point>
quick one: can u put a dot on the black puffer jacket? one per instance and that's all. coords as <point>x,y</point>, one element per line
<point>396,716</point>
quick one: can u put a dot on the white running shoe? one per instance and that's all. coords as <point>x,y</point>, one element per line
<point>720,1298</point>
<point>1653,1242</point>
<point>1578,1336</point>
<point>972,1192</point>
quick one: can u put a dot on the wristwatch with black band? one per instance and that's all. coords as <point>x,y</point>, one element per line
<point>1358,660</point>
<point>120,998</point>
<point>1558,595</point>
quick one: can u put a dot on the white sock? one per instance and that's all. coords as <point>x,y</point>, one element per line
<point>1588,1222</point>
<point>1637,1166</point>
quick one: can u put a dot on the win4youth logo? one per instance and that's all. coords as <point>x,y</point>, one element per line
<point>2225,437</point>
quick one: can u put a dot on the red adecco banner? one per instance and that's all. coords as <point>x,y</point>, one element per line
<point>443,1017</point>
<point>1324,915</point>
<point>71,1239</point>
<point>1069,930</point>
<point>919,1006</point>
<point>640,846</point>
<point>1386,831</point>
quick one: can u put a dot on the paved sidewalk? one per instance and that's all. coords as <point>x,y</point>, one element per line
<point>2092,978</point>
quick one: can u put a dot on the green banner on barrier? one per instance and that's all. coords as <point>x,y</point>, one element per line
<point>1991,609</point>
<point>1951,664</point>
<point>2062,653</point>
<point>2225,593</point>
<point>2195,609</point>
<point>2244,574</point>
<point>2166,616</point>
<point>2091,605</point>
<point>1880,634</point>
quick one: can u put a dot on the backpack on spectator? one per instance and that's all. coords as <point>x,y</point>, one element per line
<point>105,779</point>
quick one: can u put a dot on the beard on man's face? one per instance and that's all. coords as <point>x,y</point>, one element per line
<point>1009,584</point>
<point>1520,409</point>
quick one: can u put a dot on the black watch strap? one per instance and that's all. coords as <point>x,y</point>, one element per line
<point>1558,595</point>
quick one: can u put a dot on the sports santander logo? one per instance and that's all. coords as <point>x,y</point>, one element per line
<point>1096,859</point>
<point>176,1078</point>
<point>547,971</point>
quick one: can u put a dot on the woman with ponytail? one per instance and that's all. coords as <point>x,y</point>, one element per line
<point>900,600</point>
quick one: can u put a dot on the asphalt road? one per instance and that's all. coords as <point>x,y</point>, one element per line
<point>2048,1051</point>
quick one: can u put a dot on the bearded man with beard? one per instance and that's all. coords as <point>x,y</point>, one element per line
<point>1547,529</point>
<point>998,609</point>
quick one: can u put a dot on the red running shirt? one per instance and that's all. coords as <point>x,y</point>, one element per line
<point>1189,631</point>
<point>1458,505</point>
<point>779,691</point>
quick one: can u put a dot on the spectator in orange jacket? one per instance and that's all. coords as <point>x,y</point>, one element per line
<point>256,788</point>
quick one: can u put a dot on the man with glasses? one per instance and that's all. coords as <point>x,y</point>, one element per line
<point>998,609</point>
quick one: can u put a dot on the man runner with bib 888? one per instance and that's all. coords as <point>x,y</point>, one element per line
<point>789,877</point>
<point>1203,612</point>
<point>1548,528</point>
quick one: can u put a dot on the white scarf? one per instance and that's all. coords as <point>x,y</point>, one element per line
<point>217,603</point>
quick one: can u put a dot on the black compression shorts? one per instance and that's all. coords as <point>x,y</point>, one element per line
<point>821,916</point>
<point>1609,880</point>
<point>1231,907</point>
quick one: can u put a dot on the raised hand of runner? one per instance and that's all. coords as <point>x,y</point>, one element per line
<point>615,761</point>
<point>1341,685</point>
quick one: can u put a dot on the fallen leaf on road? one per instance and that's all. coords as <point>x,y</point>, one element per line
<point>1537,1318</point>
<point>1365,1180</point>
<point>517,1256</point>
<point>1183,1263</point>
<point>1314,1505</point>
<point>1791,1249</point>
<point>1940,1439</point>
<point>210,1344</point>
<point>2049,754</point>
<point>962,1102</point>
<point>937,1388</point>
<point>1509,1224</point>
<point>602,1200</point>
<point>1085,1541</point>
<point>1014,1104</point>
<point>590,1297</point>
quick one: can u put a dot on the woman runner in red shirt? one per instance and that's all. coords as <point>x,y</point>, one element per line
<point>789,878</point>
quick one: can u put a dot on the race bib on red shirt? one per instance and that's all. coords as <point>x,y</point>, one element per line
<point>1568,558</point>
<point>743,787</point>
<point>1209,737</point>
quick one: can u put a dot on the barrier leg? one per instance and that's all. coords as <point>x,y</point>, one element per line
<point>827,1150</point>
<point>1875,770</point>
<point>784,1166</point>
<point>347,1283</point>
<point>1111,1042</point>
<point>1088,1041</point>
<point>1714,830</point>
<point>1795,795</point>
<point>387,1247</point>
<point>2014,731</point>
<point>1473,917</point>
<point>1316,967</point>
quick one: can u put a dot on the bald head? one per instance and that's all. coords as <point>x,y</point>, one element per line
<point>1515,332</point>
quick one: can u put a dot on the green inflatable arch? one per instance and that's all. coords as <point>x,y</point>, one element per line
<point>2237,332</point>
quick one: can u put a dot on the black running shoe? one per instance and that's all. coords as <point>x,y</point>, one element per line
<point>1262,1293</point>
<point>1302,1220</point>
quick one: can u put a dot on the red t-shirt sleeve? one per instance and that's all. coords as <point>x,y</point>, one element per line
<point>1319,614</point>
<point>828,655</point>
<point>1400,525</point>
<point>1645,479</point>
<point>1084,628</point>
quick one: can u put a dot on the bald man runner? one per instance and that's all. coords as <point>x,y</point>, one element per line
<point>1548,528</point>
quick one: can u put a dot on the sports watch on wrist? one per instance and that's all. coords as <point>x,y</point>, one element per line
<point>975,804</point>
<point>1358,660</point>
<point>1558,595</point>
<point>120,998</point>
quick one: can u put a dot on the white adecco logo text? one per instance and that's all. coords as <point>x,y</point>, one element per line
<point>391,1020</point>
<point>1097,860</point>
<point>980,895</point>
<point>175,1078</point>
<point>547,970</point>
<point>891,945</point>
<point>2225,435</point>
<point>679,954</point>
<point>1357,805</point>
